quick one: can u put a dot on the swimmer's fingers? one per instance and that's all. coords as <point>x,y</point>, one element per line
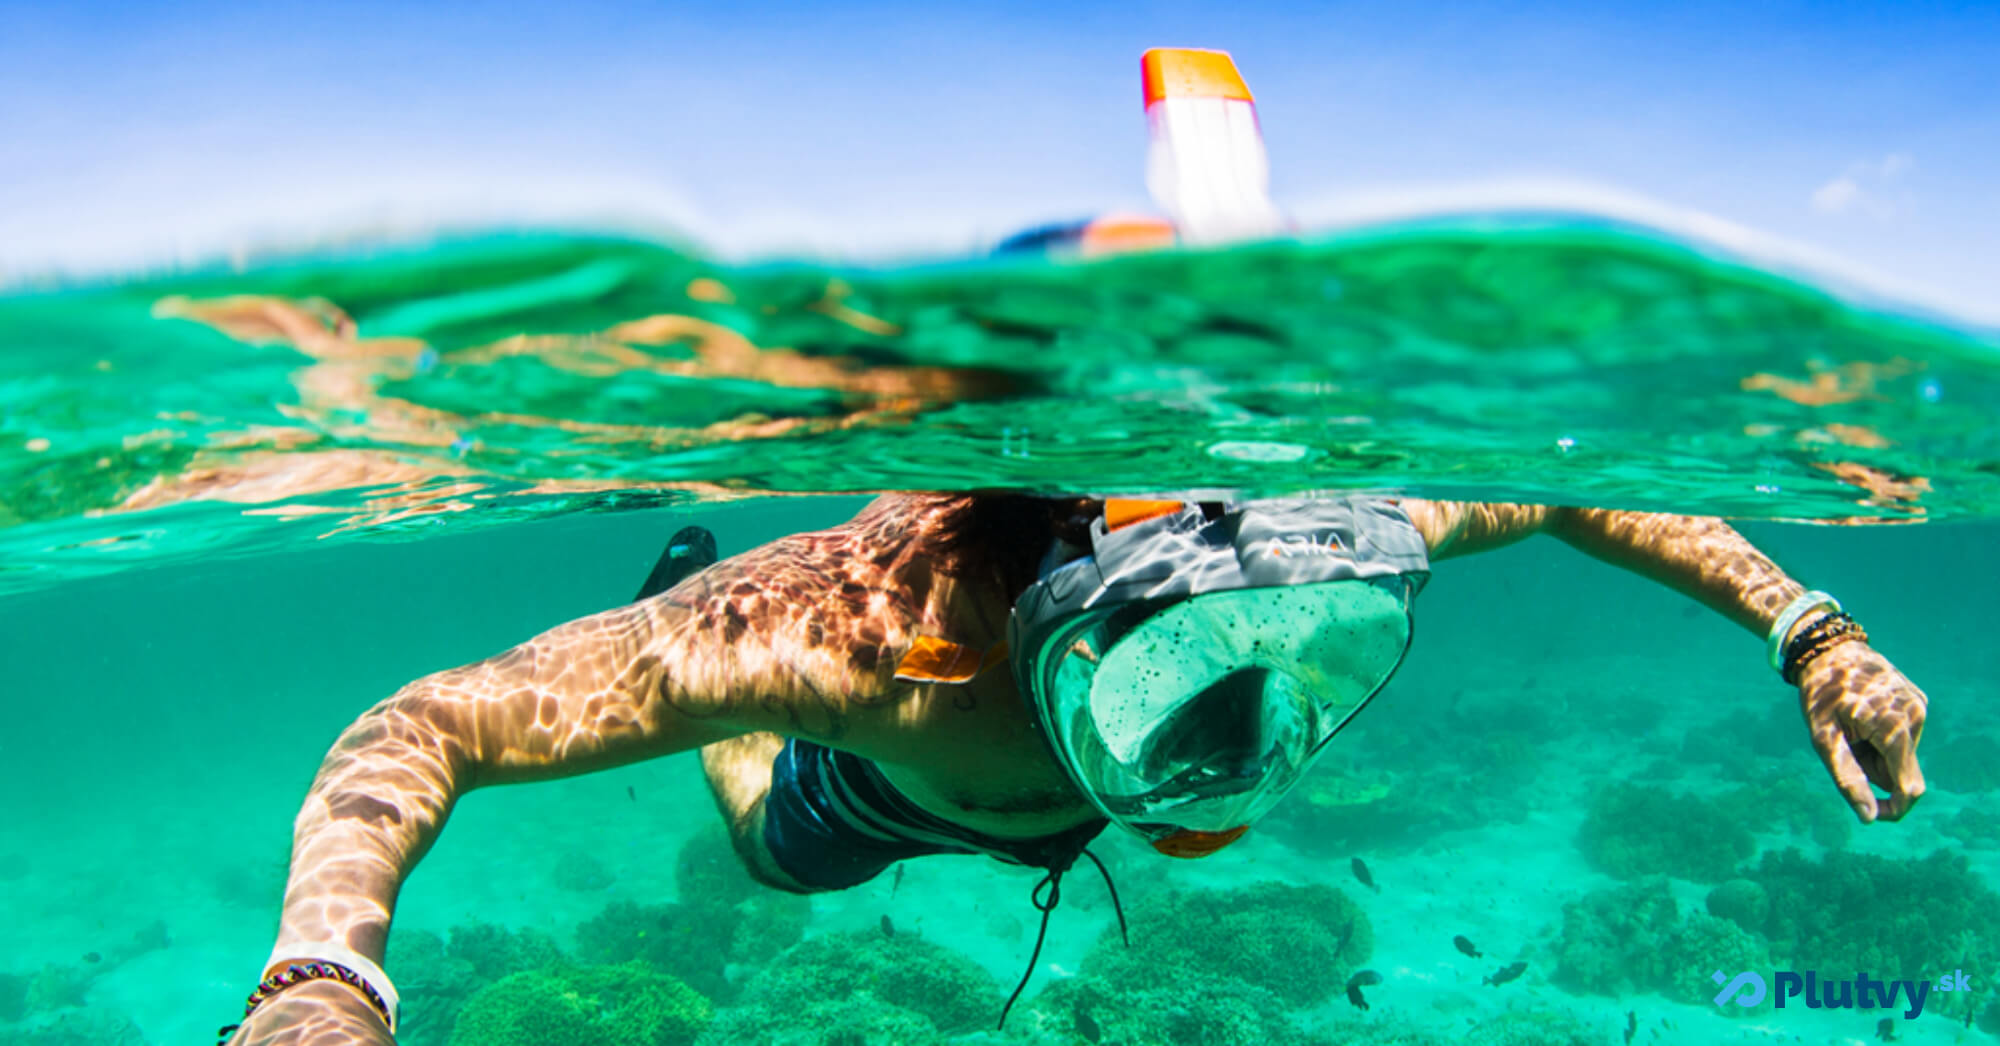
<point>1892,766</point>
<point>1866,721</point>
<point>1831,744</point>
<point>1890,729</point>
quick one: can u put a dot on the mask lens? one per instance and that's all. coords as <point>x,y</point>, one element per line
<point>1203,713</point>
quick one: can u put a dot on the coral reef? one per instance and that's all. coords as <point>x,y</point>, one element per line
<point>435,978</point>
<point>860,988</point>
<point>1175,1005</point>
<point>1513,1028</point>
<point>1534,1028</point>
<point>433,985</point>
<point>689,941</point>
<point>1741,901</point>
<point>1347,1029</point>
<point>696,942</point>
<point>1891,918</point>
<point>1783,802</point>
<point>1632,832</point>
<point>860,1020</point>
<point>766,925</point>
<point>627,1005</point>
<point>1698,946</point>
<point>1297,942</point>
<point>950,989</point>
<point>1611,940</point>
<point>722,918</point>
<point>495,951</point>
<point>1632,938</point>
<point>57,987</point>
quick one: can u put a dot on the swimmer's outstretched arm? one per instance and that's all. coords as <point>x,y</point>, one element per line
<point>1865,717</point>
<point>722,654</point>
<point>583,696</point>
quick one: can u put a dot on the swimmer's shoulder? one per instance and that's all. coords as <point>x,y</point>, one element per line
<point>802,635</point>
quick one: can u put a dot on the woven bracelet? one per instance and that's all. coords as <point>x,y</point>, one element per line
<point>300,973</point>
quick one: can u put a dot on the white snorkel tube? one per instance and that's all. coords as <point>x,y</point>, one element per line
<point>1206,165</point>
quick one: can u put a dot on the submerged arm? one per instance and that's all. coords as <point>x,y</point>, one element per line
<point>729,651</point>
<point>581,697</point>
<point>1702,558</point>
<point>1865,717</point>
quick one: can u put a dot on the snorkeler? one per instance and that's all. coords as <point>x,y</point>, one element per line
<point>995,674</point>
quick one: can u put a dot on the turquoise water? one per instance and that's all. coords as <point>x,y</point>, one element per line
<point>373,394</point>
<point>219,550</point>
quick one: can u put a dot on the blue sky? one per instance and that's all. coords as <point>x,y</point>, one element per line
<point>1860,139</point>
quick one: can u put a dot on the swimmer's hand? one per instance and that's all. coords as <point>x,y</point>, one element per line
<point>318,1013</point>
<point>1866,720</point>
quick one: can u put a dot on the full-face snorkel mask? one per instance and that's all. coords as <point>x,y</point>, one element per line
<point>1188,669</point>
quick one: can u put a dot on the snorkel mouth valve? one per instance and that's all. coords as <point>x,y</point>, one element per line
<point>1190,844</point>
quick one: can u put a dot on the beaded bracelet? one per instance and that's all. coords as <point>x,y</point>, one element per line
<point>300,973</point>
<point>1822,637</point>
<point>1826,625</point>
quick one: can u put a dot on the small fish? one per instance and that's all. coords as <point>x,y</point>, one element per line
<point>1505,973</point>
<point>1465,946</point>
<point>630,794</point>
<point>1086,1026</point>
<point>1361,872</point>
<point>897,882</point>
<point>1631,1025</point>
<point>1346,934</point>
<point>92,957</point>
<point>888,928</point>
<point>1354,996</point>
<point>1885,1029</point>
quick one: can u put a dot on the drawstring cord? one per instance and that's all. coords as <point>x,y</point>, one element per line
<point>1052,880</point>
<point>1115,906</point>
<point>1045,896</point>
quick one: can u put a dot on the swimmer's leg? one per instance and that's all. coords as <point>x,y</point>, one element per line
<point>690,549</point>
<point>739,773</point>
